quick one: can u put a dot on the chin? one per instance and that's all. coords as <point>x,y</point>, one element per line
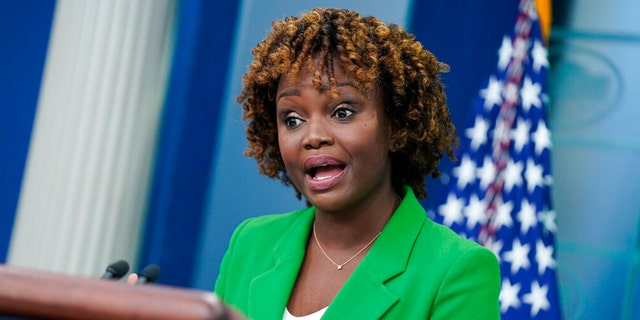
<point>326,202</point>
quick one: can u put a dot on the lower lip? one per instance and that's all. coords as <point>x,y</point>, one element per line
<point>322,185</point>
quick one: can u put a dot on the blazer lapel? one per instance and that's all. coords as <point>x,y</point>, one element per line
<point>364,295</point>
<point>269,292</point>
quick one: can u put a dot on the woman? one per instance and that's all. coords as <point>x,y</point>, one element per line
<point>352,114</point>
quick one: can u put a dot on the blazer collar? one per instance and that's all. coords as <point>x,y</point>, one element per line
<point>364,295</point>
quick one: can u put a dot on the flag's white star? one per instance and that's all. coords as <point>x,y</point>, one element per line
<point>492,95</point>
<point>451,211</point>
<point>539,54</point>
<point>478,134</point>
<point>533,176</point>
<point>486,173</point>
<point>465,172</point>
<point>527,216</point>
<point>475,212</point>
<point>503,215</point>
<point>544,257</point>
<point>518,256</point>
<point>541,137</point>
<point>537,298</point>
<point>512,175</point>
<point>548,219</point>
<point>505,52</point>
<point>530,94</point>
<point>520,134</point>
<point>509,296</point>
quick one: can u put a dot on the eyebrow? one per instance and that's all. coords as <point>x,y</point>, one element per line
<point>322,89</point>
<point>287,93</point>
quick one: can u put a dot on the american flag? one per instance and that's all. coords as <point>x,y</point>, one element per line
<point>499,192</point>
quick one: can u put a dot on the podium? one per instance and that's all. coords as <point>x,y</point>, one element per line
<point>34,294</point>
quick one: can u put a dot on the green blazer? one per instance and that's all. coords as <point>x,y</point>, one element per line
<point>416,269</point>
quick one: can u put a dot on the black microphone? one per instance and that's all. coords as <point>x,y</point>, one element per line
<point>116,270</point>
<point>149,274</point>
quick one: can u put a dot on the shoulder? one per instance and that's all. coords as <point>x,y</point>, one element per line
<point>267,229</point>
<point>446,237</point>
<point>451,245</point>
<point>430,244</point>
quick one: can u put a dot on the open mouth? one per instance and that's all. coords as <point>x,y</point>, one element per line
<point>325,171</point>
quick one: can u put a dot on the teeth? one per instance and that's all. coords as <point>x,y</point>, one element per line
<point>314,169</point>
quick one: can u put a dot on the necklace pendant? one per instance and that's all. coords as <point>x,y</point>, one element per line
<point>339,267</point>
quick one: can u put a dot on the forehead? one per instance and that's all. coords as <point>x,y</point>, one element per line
<point>310,74</point>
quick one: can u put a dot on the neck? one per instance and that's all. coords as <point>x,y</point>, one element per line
<point>340,230</point>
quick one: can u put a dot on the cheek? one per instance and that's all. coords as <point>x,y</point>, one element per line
<point>369,144</point>
<point>286,150</point>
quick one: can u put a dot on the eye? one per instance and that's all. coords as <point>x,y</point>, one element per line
<point>291,122</point>
<point>343,113</point>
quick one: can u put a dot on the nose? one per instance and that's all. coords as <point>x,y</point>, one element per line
<point>317,135</point>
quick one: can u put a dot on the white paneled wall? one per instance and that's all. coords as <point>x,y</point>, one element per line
<point>88,172</point>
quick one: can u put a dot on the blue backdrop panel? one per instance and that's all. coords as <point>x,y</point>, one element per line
<point>186,141</point>
<point>24,34</point>
<point>466,35</point>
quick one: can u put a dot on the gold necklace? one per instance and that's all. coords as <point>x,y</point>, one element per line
<point>339,266</point>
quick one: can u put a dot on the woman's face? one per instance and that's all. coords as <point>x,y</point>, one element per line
<point>335,149</point>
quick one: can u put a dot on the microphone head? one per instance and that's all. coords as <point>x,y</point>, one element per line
<point>116,270</point>
<point>149,274</point>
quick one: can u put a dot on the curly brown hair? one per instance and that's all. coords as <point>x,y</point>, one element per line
<point>376,55</point>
